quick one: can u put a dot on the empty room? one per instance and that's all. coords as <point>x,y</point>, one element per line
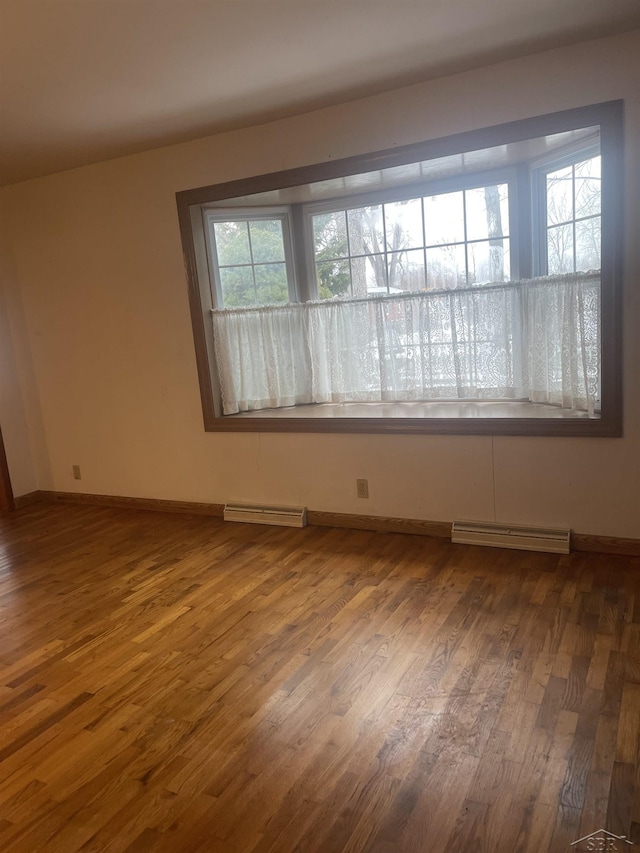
<point>320,412</point>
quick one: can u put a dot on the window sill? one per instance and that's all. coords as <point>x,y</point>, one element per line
<point>436,417</point>
<point>420,409</point>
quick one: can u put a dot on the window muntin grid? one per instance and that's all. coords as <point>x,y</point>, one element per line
<point>572,207</point>
<point>251,258</point>
<point>442,241</point>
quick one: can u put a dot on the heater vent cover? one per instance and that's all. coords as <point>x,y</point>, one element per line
<point>284,516</point>
<point>556,541</point>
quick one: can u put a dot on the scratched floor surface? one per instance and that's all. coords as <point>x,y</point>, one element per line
<point>174,683</point>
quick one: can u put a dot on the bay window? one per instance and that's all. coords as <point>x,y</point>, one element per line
<point>423,291</point>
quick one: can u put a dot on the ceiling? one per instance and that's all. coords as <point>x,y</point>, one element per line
<point>87,80</point>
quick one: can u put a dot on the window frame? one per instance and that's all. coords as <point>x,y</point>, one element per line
<point>540,170</point>
<point>251,214</point>
<point>608,116</point>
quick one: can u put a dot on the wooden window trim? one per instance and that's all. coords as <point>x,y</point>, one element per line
<point>608,116</point>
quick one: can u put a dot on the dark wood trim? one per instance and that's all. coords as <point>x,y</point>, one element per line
<point>7,503</point>
<point>197,298</point>
<point>605,544</point>
<point>612,211</point>
<point>29,499</point>
<point>379,523</point>
<point>567,427</point>
<point>607,115</point>
<point>120,502</point>
<point>319,518</point>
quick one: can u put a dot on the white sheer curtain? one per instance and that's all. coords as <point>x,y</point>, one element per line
<point>562,333</point>
<point>263,357</point>
<point>535,340</point>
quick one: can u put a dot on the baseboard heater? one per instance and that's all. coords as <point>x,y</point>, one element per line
<point>283,516</point>
<point>510,536</point>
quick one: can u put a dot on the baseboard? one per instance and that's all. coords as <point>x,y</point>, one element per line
<point>119,502</point>
<point>379,523</point>
<point>585,542</point>
<point>27,500</point>
<point>605,544</point>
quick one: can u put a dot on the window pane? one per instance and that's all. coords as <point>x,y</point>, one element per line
<point>266,240</point>
<point>560,249</point>
<point>588,187</point>
<point>232,243</point>
<point>588,244</point>
<point>488,261</point>
<point>403,223</point>
<point>487,211</point>
<point>446,268</point>
<point>271,284</point>
<point>334,279</point>
<point>237,287</point>
<point>589,168</point>
<point>330,235</point>
<point>365,230</point>
<point>444,218</point>
<point>406,270</point>
<point>559,196</point>
<point>368,275</point>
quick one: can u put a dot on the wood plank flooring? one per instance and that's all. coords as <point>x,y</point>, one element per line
<point>174,683</point>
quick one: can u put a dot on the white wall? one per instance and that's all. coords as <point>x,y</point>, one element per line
<point>101,282</point>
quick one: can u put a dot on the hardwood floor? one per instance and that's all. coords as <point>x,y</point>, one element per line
<point>174,683</point>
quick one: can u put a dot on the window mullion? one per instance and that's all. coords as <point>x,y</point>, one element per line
<point>424,241</point>
<point>573,212</point>
<point>385,253</point>
<point>253,268</point>
<point>299,247</point>
<point>466,242</point>
<point>521,244</point>
<point>346,231</point>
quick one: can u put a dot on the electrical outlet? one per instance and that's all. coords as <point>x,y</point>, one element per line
<point>76,472</point>
<point>362,488</point>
